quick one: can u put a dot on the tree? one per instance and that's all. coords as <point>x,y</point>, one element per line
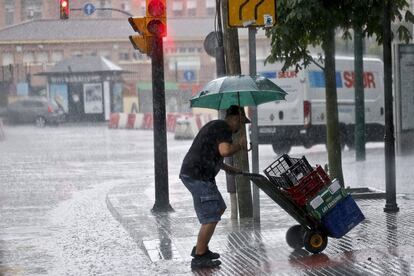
<point>240,159</point>
<point>304,23</point>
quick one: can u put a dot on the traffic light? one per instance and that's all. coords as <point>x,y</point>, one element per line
<point>157,17</point>
<point>64,9</point>
<point>154,24</point>
<point>142,41</point>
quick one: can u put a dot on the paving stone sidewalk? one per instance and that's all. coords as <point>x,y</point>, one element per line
<point>382,245</point>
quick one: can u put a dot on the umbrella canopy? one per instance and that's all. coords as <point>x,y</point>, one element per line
<point>239,90</point>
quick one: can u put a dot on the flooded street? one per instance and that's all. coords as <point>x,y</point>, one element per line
<point>54,181</point>
<point>54,219</point>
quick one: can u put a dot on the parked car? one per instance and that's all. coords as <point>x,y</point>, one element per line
<point>37,110</point>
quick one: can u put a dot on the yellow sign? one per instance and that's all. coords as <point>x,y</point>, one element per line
<point>245,13</point>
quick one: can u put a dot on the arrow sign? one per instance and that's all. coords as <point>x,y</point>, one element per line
<point>189,75</point>
<point>89,8</point>
<point>256,13</point>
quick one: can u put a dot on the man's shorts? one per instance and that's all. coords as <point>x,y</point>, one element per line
<point>208,202</point>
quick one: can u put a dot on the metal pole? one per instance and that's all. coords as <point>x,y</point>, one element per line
<point>220,60</point>
<point>254,127</point>
<point>162,203</point>
<point>359,96</point>
<point>389,148</point>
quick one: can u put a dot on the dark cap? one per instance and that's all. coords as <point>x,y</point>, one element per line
<point>236,110</point>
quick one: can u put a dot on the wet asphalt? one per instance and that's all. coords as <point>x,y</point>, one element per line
<point>77,200</point>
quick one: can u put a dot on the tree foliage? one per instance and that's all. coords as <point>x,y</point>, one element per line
<point>300,24</point>
<point>304,23</point>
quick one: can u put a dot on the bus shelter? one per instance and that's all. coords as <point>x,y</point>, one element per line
<point>88,88</point>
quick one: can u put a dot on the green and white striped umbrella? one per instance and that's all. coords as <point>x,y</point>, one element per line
<point>239,90</point>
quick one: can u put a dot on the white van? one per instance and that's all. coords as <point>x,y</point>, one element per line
<point>300,120</point>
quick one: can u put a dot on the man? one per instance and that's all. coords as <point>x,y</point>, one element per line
<point>200,166</point>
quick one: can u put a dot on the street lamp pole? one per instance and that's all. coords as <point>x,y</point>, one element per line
<point>389,140</point>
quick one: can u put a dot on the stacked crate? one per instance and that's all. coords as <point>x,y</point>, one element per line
<point>312,189</point>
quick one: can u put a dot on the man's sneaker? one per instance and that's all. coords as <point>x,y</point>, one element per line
<point>203,262</point>
<point>208,254</point>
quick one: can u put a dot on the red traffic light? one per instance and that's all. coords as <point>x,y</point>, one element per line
<point>64,9</point>
<point>156,8</point>
<point>157,17</point>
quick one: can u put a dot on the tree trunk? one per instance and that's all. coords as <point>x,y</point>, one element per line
<point>240,159</point>
<point>332,124</point>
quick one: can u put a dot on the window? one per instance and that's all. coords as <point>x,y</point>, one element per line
<point>125,6</point>
<point>32,9</point>
<point>57,56</point>
<point>41,57</point>
<point>104,4</point>
<point>137,56</point>
<point>211,7</point>
<point>123,56</point>
<point>178,8</point>
<point>191,7</point>
<point>90,53</point>
<point>7,59</point>
<point>28,57</point>
<point>9,12</point>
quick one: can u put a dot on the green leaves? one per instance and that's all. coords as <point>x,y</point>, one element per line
<point>303,24</point>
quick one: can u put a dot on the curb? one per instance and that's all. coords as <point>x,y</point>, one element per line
<point>366,193</point>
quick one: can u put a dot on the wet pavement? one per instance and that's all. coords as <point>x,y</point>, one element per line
<point>381,245</point>
<point>76,200</point>
<point>53,215</point>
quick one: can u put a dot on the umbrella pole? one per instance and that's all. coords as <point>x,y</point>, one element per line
<point>238,103</point>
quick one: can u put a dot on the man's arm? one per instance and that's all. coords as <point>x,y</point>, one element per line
<point>228,149</point>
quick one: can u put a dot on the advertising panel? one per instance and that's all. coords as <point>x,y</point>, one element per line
<point>93,100</point>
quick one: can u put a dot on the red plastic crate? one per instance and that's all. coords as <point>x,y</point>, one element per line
<point>309,186</point>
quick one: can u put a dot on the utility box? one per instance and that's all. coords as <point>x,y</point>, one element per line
<point>404,98</point>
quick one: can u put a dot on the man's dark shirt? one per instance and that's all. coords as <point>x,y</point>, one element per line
<point>203,160</point>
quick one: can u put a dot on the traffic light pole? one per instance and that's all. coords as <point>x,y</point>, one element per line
<point>162,203</point>
<point>389,140</point>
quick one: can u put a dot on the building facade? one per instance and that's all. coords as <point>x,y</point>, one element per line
<point>33,39</point>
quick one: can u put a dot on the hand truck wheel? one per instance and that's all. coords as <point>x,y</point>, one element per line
<point>315,241</point>
<point>294,236</point>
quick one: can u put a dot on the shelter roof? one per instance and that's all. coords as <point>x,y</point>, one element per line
<point>84,64</point>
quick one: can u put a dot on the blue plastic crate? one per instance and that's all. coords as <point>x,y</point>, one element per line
<point>342,218</point>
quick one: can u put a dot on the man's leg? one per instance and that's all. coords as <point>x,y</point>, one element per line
<point>204,236</point>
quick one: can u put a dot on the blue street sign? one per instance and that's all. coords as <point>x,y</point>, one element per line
<point>89,9</point>
<point>189,75</point>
